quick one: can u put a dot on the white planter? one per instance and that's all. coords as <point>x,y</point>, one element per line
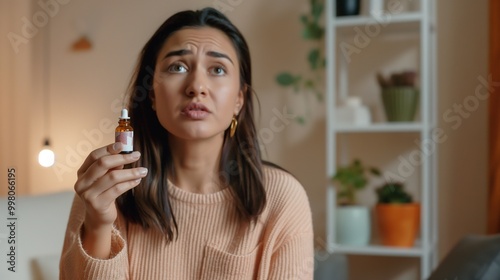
<point>353,224</point>
<point>376,7</point>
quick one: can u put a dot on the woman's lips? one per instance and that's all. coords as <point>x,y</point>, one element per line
<point>195,111</point>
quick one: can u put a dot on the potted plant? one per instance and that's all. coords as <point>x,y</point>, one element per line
<point>399,95</point>
<point>353,221</point>
<point>397,216</point>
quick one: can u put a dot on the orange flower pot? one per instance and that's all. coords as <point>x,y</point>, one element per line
<point>398,223</point>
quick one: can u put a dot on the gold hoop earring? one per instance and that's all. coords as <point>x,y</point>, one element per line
<point>232,129</point>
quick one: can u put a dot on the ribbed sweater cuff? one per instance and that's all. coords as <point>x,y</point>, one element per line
<point>113,268</point>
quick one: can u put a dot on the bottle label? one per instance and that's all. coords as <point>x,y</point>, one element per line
<point>126,138</point>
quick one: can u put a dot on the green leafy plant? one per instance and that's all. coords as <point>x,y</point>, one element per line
<point>350,179</point>
<point>310,83</point>
<point>393,192</point>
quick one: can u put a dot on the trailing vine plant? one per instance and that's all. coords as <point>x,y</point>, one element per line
<point>310,82</point>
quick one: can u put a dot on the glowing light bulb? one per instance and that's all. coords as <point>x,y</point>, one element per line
<point>46,157</point>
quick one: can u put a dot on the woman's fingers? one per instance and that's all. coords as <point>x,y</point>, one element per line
<point>104,165</point>
<point>120,180</point>
<point>111,194</point>
<point>111,149</point>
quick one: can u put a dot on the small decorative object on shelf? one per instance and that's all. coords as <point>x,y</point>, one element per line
<point>353,220</point>
<point>348,7</point>
<point>399,95</point>
<point>397,216</point>
<point>376,6</point>
<point>353,112</point>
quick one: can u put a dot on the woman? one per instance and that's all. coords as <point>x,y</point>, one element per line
<point>195,200</point>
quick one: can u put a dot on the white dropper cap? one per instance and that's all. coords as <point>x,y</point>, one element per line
<point>124,115</point>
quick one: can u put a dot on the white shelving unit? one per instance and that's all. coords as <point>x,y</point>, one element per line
<point>420,24</point>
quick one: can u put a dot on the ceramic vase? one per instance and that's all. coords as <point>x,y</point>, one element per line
<point>353,224</point>
<point>348,7</point>
<point>400,103</point>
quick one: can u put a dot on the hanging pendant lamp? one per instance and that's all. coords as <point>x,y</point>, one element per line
<point>46,157</point>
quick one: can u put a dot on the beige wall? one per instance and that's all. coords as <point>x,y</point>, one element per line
<point>463,59</point>
<point>86,91</point>
<point>15,96</point>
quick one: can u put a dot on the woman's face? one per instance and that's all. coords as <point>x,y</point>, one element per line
<point>197,84</point>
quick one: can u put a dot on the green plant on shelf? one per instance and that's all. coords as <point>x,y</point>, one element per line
<point>312,82</point>
<point>350,179</point>
<point>393,192</point>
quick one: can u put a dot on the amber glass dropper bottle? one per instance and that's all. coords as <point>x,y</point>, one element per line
<point>124,133</point>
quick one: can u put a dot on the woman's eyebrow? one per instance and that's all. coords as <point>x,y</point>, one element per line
<point>218,54</point>
<point>209,53</point>
<point>178,53</point>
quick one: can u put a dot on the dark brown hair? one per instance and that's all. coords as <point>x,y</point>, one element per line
<point>240,166</point>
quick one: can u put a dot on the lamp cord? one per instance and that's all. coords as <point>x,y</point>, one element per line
<point>46,83</point>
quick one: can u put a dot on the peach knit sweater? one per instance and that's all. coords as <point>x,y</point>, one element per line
<point>211,244</point>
